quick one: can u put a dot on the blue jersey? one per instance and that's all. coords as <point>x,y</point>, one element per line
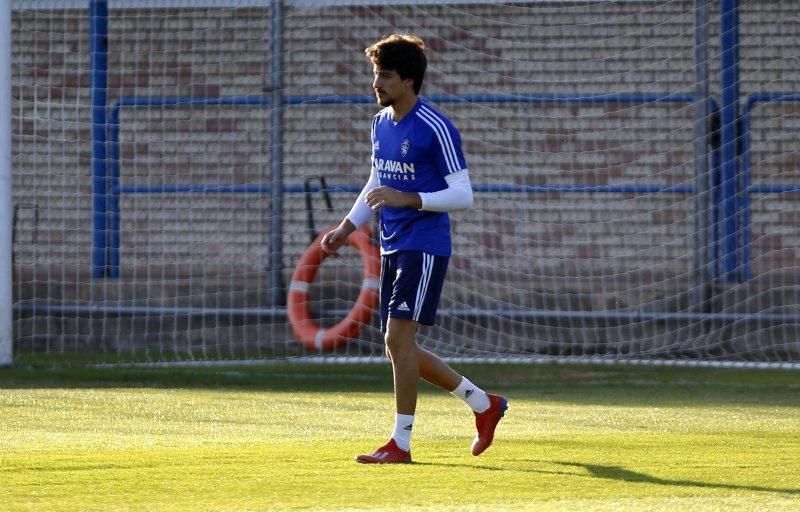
<point>415,155</point>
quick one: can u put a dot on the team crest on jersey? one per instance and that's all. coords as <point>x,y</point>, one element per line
<point>404,147</point>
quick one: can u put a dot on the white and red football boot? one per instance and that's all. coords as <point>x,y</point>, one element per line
<point>389,453</point>
<point>486,422</point>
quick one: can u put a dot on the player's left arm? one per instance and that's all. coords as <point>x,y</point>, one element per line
<point>446,148</point>
<point>457,196</point>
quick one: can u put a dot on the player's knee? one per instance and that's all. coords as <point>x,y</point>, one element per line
<point>391,344</point>
<point>397,346</point>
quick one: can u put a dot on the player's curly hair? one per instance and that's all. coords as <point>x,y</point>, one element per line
<point>404,53</point>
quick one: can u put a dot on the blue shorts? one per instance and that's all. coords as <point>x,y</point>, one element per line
<point>411,284</point>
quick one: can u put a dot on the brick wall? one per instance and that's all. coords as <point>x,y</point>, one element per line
<point>561,48</point>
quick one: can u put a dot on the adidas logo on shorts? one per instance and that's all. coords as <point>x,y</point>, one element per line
<point>403,307</point>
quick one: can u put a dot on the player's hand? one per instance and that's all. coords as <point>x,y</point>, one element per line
<point>334,239</point>
<point>382,196</point>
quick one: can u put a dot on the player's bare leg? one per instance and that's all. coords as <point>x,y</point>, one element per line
<point>401,347</point>
<point>488,408</point>
<point>436,371</point>
<point>401,342</point>
<point>403,352</point>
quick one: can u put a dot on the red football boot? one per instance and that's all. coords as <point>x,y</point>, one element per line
<point>487,421</point>
<point>389,453</point>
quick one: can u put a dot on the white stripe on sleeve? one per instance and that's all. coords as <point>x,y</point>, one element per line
<point>443,136</point>
<point>449,146</point>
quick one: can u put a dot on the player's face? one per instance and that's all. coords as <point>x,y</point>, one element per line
<point>389,87</point>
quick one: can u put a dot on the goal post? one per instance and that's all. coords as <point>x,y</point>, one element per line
<point>6,208</point>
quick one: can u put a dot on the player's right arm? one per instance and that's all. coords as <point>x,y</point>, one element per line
<point>359,214</point>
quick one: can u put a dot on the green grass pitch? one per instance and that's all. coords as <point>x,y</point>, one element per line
<point>283,437</point>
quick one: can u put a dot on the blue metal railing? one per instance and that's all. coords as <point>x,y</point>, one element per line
<point>112,264</point>
<point>485,187</point>
<point>98,75</point>
<point>729,138</point>
<point>730,191</point>
<point>747,188</point>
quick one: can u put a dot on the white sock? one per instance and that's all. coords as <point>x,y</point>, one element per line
<point>474,396</point>
<point>403,423</point>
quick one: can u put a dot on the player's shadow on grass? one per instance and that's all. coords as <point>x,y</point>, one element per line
<point>626,475</point>
<point>456,465</point>
<point>618,473</point>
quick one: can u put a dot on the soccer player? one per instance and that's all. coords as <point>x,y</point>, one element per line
<point>418,175</point>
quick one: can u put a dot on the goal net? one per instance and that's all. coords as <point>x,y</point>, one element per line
<point>145,155</point>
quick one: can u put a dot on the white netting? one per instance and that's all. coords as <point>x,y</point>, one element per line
<point>577,125</point>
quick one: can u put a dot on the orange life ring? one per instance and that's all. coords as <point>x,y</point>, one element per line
<point>305,329</point>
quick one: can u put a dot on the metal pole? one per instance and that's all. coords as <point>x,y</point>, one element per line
<point>98,72</point>
<point>6,298</point>
<point>276,285</point>
<point>702,176</point>
<point>729,136</point>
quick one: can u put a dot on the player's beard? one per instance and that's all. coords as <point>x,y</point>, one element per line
<point>385,101</point>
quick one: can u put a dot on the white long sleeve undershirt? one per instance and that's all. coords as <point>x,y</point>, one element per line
<point>361,212</point>
<point>457,196</point>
